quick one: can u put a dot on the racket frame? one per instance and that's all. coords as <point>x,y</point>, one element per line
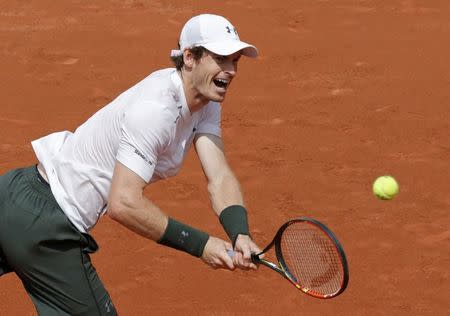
<point>282,267</point>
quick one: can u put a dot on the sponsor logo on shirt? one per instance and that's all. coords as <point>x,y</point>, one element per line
<point>179,114</point>
<point>137,152</point>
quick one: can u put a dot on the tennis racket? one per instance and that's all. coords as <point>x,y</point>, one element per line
<point>309,256</point>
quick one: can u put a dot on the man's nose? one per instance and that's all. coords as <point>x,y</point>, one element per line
<point>231,69</point>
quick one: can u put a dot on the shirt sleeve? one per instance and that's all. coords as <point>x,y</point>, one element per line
<point>145,133</point>
<point>210,122</point>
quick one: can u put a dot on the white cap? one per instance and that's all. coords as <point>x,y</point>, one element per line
<point>215,33</point>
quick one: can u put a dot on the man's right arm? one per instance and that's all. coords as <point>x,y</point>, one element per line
<point>128,206</point>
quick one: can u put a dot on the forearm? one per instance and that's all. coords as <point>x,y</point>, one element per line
<point>140,216</point>
<point>128,206</point>
<point>225,191</point>
<point>227,201</point>
<point>146,219</point>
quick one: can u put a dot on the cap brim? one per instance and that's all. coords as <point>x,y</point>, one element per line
<point>226,48</point>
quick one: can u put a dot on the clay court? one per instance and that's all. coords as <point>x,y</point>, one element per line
<point>343,92</point>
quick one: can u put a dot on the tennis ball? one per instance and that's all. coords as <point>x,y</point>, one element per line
<point>385,187</point>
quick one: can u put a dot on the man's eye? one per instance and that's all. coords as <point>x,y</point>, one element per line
<point>221,59</point>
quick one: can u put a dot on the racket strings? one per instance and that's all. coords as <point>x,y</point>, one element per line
<point>312,258</point>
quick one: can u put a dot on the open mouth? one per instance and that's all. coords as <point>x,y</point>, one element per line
<point>221,83</point>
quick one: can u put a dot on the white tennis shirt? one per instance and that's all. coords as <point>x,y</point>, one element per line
<point>148,128</point>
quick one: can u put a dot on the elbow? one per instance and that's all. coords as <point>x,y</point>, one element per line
<point>120,207</point>
<point>222,182</point>
<point>214,188</point>
<point>116,211</point>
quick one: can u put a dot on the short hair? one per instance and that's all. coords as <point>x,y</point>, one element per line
<point>197,52</point>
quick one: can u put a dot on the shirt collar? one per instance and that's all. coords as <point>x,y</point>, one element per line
<point>176,79</point>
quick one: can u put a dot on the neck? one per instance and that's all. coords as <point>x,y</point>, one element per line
<point>194,99</point>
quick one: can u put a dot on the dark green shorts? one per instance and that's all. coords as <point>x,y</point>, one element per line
<point>46,251</point>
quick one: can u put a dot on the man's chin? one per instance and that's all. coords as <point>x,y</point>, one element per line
<point>218,97</point>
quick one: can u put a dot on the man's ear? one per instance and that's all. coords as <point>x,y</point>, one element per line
<point>188,58</point>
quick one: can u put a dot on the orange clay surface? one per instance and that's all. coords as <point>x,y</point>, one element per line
<point>343,92</point>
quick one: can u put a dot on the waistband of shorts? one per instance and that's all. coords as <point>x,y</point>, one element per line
<point>38,183</point>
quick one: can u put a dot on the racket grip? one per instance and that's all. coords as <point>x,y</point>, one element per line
<point>255,257</point>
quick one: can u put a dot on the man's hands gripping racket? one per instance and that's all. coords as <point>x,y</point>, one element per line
<point>309,256</point>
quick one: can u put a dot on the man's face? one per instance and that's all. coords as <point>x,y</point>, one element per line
<point>212,74</point>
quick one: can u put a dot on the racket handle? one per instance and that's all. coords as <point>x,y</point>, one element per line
<point>255,257</point>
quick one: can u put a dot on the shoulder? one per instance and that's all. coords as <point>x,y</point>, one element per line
<point>150,115</point>
<point>212,108</point>
<point>211,111</point>
<point>159,86</point>
<point>156,97</point>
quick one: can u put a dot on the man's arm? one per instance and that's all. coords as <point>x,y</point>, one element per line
<point>223,186</point>
<point>224,190</point>
<point>128,206</point>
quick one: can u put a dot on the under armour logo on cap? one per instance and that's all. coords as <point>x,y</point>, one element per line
<point>231,29</point>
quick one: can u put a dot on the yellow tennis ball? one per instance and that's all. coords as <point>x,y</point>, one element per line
<point>385,187</point>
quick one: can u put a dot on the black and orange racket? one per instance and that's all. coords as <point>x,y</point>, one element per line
<point>310,257</point>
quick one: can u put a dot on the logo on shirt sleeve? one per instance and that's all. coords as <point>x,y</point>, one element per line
<point>137,152</point>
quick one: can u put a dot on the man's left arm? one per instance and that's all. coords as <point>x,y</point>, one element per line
<point>226,197</point>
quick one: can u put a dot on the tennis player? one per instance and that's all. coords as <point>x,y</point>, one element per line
<point>47,210</point>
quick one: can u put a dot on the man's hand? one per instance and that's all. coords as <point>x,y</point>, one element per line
<point>243,250</point>
<point>215,254</point>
